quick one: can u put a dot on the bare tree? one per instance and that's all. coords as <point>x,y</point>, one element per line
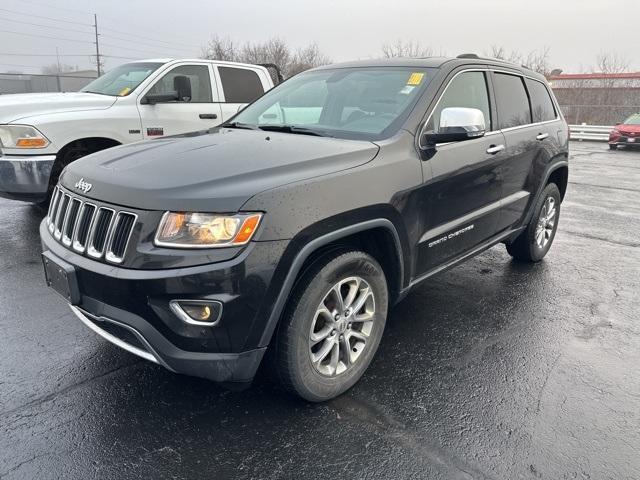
<point>56,68</point>
<point>221,48</point>
<point>536,60</point>
<point>611,62</point>
<point>274,50</point>
<point>306,58</point>
<point>410,48</point>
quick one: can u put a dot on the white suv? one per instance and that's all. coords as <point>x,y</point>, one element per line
<point>41,133</point>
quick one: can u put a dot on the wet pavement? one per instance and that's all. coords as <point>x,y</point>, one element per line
<point>490,370</point>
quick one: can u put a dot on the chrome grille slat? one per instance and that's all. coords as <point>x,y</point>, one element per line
<point>121,233</point>
<point>85,222</point>
<point>61,215</point>
<point>100,232</point>
<point>70,221</point>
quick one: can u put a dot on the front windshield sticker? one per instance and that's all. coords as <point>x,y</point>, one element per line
<point>124,91</point>
<point>415,78</point>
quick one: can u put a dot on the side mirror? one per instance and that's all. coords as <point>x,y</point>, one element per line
<point>153,98</point>
<point>456,124</point>
<point>181,92</point>
<point>618,123</point>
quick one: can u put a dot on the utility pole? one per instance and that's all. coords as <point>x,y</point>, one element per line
<point>98,61</point>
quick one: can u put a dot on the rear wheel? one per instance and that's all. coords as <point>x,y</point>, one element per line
<point>332,326</point>
<point>535,241</point>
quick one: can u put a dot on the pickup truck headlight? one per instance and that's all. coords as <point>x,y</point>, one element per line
<point>22,136</point>
<point>206,230</point>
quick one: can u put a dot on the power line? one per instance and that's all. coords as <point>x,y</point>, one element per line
<point>139,42</point>
<point>44,18</point>
<point>45,26</point>
<point>46,36</point>
<point>149,38</point>
<point>44,55</point>
<point>153,52</point>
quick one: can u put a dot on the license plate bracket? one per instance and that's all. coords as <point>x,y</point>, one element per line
<point>61,277</point>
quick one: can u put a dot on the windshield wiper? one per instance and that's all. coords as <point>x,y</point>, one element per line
<point>246,126</point>
<point>97,93</point>
<point>293,129</point>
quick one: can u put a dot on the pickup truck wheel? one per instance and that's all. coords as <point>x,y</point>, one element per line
<point>332,326</point>
<point>535,241</point>
<point>70,155</point>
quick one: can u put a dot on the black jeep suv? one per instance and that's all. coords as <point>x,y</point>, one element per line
<point>294,227</point>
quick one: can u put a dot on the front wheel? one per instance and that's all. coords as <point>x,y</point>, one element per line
<point>613,146</point>
<point>332,326</point>
<point>535,241</point>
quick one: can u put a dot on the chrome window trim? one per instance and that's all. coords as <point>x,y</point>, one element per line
<point>109,256</point>
<point>491,132</point>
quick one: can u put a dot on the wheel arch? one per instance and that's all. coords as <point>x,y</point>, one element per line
<point>378,236</point>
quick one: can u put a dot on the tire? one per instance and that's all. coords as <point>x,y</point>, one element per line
<point>613,147</point>
<point>533,243</point>
<point>343,272</point>
<point>65,159</point>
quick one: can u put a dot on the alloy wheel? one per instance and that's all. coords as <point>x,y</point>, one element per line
<point>342,326</point>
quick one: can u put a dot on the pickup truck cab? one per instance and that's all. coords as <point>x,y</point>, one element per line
<point>290,229</point>
<point>41,133</point>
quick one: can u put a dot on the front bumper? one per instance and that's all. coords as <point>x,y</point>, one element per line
<point>25,177</point>
<point>130,308</point>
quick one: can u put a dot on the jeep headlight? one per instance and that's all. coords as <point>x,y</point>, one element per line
<point>22,136</point>
<point>206,230</point>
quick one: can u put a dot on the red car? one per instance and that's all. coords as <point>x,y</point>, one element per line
<point>626,133</point>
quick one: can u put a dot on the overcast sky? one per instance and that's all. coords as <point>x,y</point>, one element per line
<point>574,30</point>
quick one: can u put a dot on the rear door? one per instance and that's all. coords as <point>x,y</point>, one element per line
<point>462,190</point>
<point>199,112</point>
<point>524,111</point>
<point>239,86</point>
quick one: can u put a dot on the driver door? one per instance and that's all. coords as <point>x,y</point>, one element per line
<point>200,111</point>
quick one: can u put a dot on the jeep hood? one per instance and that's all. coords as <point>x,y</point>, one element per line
<point>210,172</point>
<point>16,107</point>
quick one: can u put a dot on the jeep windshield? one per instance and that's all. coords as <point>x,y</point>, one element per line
<point>368,103</point>
<point>122,80</point>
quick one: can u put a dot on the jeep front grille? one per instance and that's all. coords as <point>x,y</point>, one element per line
<point>98,231</point>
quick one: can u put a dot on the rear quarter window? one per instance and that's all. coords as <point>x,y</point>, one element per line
<point>542,108</point>
<point>240,85</point>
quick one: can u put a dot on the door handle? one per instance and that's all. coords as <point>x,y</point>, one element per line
<point>542,136</point>
<point>493,149</point>
<point>205,116</point>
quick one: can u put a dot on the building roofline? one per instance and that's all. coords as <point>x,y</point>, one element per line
<point>595,76</point>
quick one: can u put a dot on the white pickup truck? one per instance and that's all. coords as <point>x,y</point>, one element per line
<point>41,133</point>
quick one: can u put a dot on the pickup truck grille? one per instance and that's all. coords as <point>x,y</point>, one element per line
<point>95,230</point>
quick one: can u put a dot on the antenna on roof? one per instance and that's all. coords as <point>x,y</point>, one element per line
<point>467,55</point>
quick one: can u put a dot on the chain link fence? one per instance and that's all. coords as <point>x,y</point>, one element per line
<point>598,114</point>
<point>32,83</point>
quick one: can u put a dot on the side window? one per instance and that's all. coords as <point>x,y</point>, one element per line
<point>240,85</point>
<point>541,103</point>
<point>198,76</point>
<point>512,100</point>
<point>469,89</point>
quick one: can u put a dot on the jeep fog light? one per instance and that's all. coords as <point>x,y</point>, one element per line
<point>204,313</point>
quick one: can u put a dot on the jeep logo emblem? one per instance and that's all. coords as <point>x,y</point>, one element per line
<point>83,186</point>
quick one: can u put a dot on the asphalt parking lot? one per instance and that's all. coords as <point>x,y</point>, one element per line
<point>490,370</point>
